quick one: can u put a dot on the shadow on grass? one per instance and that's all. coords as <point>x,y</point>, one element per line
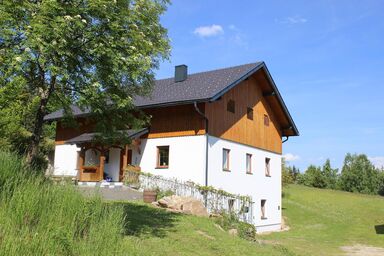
<point>147,220</point>
<point>379,229</point>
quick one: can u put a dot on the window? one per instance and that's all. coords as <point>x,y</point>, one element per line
<point>267,167</point>
<point>226,159</point>
<point>231,203</point>
<point>231,106</point>
<point>250,113</point>
<point>163,157</point>
<point>263,216</point>
<point>266,120</point>
<point>249,163</point>
<point>92,157</point>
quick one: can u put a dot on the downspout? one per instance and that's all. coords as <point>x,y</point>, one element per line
<point>286,139</point>
<point>206,144</point>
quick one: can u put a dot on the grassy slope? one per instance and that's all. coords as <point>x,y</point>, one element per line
<point>321,221</point>
<point>151,231</point>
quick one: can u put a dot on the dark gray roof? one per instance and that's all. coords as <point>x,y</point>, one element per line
<point>198,87</point>
<point>87,137</point>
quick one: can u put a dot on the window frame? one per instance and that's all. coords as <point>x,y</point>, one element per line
<point>158,165</point>
<point>266,120</point>
<point>248,169</point>
<point>231,106</point>
<point>227,167</point>
<point>250,113</point>
<point>262,209</point>
<point>268,167</point>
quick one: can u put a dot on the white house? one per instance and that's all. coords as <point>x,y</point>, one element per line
<point>221,128</point>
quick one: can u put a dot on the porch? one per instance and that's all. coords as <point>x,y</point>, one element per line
<point>96,163</point>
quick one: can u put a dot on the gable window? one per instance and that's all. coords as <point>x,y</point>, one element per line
<point>263,216</point>
<point>267,167</point>
<point>250,113</point>
<point>162,157</point>
<point>266,120</point>
<point>249,163</point>
<point>231,106</point>
<point>226,159</point>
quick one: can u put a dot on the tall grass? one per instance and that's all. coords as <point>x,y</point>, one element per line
<point>40,218</point>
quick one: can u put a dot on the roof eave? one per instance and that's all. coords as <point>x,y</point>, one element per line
<point>157,105</point>
<point>282,103</point>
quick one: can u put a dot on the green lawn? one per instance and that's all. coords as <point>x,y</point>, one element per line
<point>151,231</point>
<point>321,221</point>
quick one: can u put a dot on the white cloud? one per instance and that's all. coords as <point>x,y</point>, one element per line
<point>292,20</point>
<point>291,157</point>
<point>377,161</point>
<point>208,31</point>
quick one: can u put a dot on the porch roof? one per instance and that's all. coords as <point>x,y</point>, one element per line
<point>88,137</point>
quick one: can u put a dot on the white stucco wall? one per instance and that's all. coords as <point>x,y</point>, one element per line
<point>65,160</point>
<point>256,184</point>
<point>112,168</point>
<point>186,157</point>
<point>187,162</point>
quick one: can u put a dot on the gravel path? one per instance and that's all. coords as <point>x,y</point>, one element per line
<point>122,193</point>
<point>363,250</point>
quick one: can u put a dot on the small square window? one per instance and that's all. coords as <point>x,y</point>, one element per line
<point>231,106</point>
<point>162,157</point>
<point>249,163</point>
<point>267,167</point>
<point>266,120</point>
<point>263,202</point>
<point>226,159</point>
<point>250,113</point>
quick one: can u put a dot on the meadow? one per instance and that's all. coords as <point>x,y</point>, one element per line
<point>38,217</point>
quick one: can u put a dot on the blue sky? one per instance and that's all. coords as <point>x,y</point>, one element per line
<point>326,57</point>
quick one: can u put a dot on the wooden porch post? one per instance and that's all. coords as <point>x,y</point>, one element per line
<point>80,163</point>
<point>123,161</point>
<point>102,162</point>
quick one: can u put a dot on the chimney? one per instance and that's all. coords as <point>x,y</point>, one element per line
<point>181,73</point>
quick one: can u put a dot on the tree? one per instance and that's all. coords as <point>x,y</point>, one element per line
<point>359,175</point>
<point>97,54</point>
<point>286,177</point>
<point>313,177</point>
<point>294,172</point>
<point>330,175</point>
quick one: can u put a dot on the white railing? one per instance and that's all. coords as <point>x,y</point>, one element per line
<point>215,200</point>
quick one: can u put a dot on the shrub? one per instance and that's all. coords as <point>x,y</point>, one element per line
<point>163,193</point>
<point>230,221</point>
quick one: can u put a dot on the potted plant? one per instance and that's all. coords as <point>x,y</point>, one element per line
<point>131,176</point>
<point>150,195</point>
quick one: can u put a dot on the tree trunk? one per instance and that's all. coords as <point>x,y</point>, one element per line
<point>33,148</point>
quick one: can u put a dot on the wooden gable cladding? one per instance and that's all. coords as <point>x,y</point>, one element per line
<point>182,120</point>
<point>65,132</point>
<point>274,103</point>
<point>237,126</point>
